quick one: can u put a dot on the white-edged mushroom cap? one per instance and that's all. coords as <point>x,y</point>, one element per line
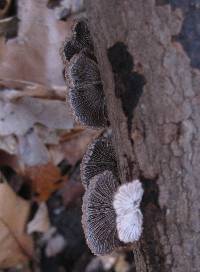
<point>127,207</point>
<point>99,157</point>
<point>99,218</point>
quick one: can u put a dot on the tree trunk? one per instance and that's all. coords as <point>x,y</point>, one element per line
<point>156,125</point>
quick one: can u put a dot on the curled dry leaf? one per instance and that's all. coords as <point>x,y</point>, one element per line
<point>16,245</point>
<point>40,222</point>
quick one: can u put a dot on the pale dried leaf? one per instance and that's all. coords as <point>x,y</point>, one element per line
<point>32,151</point>
<point>40,222</point>
<point>17,118</point>
<point>9,144</point>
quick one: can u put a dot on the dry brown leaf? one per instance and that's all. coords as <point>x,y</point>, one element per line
<point>16,246</point>
<point>45,179</point>
<point>34,54</point>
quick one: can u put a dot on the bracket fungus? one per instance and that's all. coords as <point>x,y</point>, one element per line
<point>80,40</point>
<point>99,218</point>
<point>127,207</point>
<point>88,105</point>
<point>99,157</point>
<point>111,213</point>
<point>82,71</point>
<point>106,198</point>
<point>83,78</point>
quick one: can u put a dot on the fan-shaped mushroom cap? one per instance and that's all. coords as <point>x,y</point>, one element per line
<point>86,91</point>
<point>83,78</point>
<point>82,35</point>
<point>68,50</point>
<point>127,207</point>
<point>88,105</point>
<point>99,218</point>
<point>82,71</point>
<point>80,40</point>
<point>100,156</point>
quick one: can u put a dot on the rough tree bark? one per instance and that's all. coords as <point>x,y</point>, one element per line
<point>162,144</point>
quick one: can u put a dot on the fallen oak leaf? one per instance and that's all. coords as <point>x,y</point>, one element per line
<point>16,246</point>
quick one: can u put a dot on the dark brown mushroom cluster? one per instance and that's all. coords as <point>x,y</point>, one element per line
<point>86,95</point>
<point>107,205</point>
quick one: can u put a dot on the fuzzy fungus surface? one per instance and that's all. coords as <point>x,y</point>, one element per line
<point>99,218</point>
<point>80,40</point>
<point>86,95</point>
<point>129,218</point>
<point>88,111</point>
<point>82,71</point>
